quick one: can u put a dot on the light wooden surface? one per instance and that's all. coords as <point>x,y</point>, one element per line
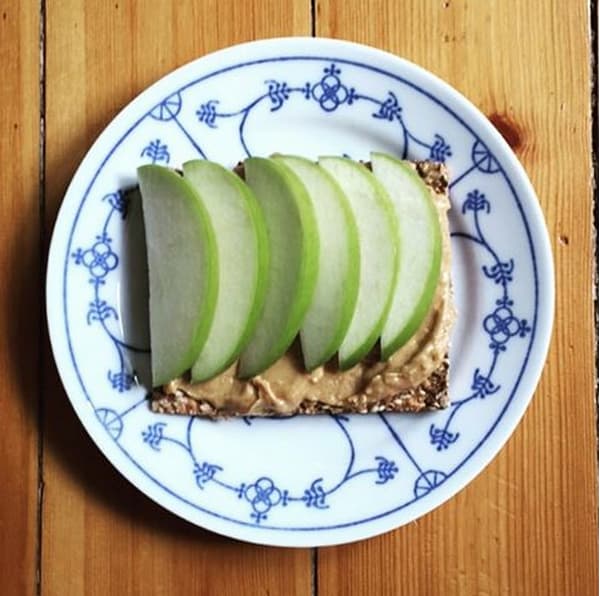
<point>19,307</point>
<point>526,525</point>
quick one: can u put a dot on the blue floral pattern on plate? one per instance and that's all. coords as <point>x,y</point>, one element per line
<point>399,462</point>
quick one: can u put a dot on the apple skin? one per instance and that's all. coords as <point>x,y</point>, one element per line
<point>329,316</point>
<point>420,259</point>
<point>182,270</point>
<point>379,247</point>
<point>293,262</point>
<point>241,237</point>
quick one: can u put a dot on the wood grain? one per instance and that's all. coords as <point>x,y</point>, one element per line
<point>528,524</point>
<point>20,305</point>
<point>100,535</point>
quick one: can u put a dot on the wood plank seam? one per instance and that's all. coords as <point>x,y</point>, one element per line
<point>595,128</point>
<point>42,318</point>
<point>314,555</point>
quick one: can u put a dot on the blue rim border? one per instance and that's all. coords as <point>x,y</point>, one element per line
<point>404,81</point>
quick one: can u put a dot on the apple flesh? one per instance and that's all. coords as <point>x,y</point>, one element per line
<point>241,238</point>
<point>379,244</point>
<point>182,270</point>
<point>328,318</point>
<point>420,258</point>
<point>293,244</point>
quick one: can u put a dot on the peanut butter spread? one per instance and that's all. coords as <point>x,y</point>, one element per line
<point>282,388</point>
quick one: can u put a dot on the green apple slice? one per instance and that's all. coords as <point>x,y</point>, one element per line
<point>182,270</point>
<point>241,238</point>
<point>293,262</point>
<point>420,259</point>
<point>328,318</point>
<point>379,244</point>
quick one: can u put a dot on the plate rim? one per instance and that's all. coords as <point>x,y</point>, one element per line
<point>531,370</point>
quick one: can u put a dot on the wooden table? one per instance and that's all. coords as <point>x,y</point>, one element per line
<point>70,524</point>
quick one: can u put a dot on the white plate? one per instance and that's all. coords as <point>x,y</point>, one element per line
<point>302,481</point>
